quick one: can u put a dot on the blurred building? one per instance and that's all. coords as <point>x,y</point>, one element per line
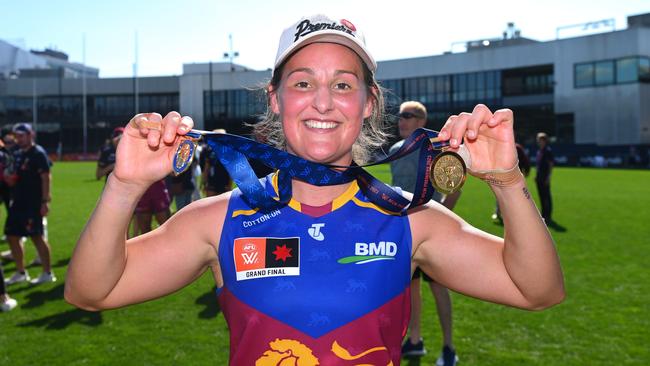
<point>588,92</point>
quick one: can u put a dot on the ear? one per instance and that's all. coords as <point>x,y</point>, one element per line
<point>367,109</point>
<point>273,100</point>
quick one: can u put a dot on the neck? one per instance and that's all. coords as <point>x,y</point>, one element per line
<point>316,195</point>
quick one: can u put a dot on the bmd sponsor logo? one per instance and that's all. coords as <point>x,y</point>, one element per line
<point>371,252</point>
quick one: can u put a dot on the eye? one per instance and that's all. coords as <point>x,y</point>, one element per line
<point>342,86</point>
<point>302,84</point>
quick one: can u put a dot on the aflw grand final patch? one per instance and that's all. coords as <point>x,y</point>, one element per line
<point>266,257</point>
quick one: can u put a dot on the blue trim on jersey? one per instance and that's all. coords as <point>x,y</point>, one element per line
<point>328,292</point>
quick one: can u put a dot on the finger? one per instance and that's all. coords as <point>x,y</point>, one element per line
<point>480,115</point>
<point>458,129</point>
<point>146,121</point>
<point>187,123</point>
<point>503,116</point>
<point>446,128</point>
<point>151,127</point>
<point>170,124</point>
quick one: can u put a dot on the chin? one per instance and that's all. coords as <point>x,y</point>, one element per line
<point>323,156</point>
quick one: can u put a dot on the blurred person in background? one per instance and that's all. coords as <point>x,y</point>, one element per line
<point>413,115</point>
<point>106,161</point>
<point>215,179</point>
<point>30,203</point>
<point>196,172</point>
<point>545,162</point>
<point>182,188</point>
<point>154,203</point>
<point>6,302</point>
<point>524,166</point>
<point>7,145</point>
<point>106,164</point>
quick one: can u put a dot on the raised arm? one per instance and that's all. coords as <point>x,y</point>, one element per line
<point>106,271</point>
<point>523,268</point>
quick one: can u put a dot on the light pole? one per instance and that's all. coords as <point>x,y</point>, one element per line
<point>231,55</point>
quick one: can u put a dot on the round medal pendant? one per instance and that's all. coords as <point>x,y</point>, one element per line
<point>447,172</point>
<point>183,157</point>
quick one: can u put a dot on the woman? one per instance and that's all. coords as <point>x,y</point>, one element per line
<point>324,279</point>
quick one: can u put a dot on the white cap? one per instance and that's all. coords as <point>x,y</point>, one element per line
<point>320,28</point>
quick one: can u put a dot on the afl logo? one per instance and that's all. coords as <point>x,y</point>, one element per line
<point>249,247</point>
<point>349,24</point>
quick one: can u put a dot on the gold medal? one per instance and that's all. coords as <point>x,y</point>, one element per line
<point>447,172</point>
<point>184,155</point>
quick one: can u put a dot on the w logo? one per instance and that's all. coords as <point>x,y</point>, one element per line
<point>250,258</point>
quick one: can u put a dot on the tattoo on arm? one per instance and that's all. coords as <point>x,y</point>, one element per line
<point>526,193</point>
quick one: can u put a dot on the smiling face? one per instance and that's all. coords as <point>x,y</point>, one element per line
<point>322,101</point>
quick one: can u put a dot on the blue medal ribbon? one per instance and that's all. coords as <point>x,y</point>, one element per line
<point>233,152</point>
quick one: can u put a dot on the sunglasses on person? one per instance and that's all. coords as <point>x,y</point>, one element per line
<point>408,115</point>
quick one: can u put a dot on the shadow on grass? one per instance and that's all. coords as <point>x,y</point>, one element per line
<point>209,300</point>
<point>555,226</point>
<point>38,298</point>
<point>57,321</point>
<point>65,319</point>
<point>59,264</point>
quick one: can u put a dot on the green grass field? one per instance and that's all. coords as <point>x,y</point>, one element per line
<point>603,241</point>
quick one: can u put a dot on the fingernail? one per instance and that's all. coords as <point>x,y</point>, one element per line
<point>176,119</point>
<point>453,142</point>
<point>471,134</point>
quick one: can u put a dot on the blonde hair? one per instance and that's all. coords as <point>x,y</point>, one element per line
<point>373,133</point>
<point>413,105</point>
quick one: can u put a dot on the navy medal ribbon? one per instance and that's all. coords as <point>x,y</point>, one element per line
<point>233,152</point>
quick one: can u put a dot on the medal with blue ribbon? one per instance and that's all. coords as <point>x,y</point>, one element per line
<point>444,170</point>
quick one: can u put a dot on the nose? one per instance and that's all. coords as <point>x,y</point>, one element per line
<point>323,101</point>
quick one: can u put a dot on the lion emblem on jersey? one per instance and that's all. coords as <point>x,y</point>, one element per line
<point>287,352</point>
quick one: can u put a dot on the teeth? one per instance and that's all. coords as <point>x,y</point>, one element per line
<point>320,124</point>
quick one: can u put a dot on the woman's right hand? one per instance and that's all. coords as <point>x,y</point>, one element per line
<point>146,150</point>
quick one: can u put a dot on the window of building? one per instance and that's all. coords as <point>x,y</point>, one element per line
<point>604,72</point>
<point>584,75</point>
<point>644,69</point>
<point>480,86</point>
<point>627,70</point>
<point>621,71</point>
<point>460,88</point>
<point>471,86</point>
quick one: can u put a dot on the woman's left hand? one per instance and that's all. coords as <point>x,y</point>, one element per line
<point>489,137</point>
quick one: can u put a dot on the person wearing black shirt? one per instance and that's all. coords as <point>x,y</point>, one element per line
<point>30,202</point>
<point>545,162</point>
<point>181,189</point>
<point>106,161</point>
